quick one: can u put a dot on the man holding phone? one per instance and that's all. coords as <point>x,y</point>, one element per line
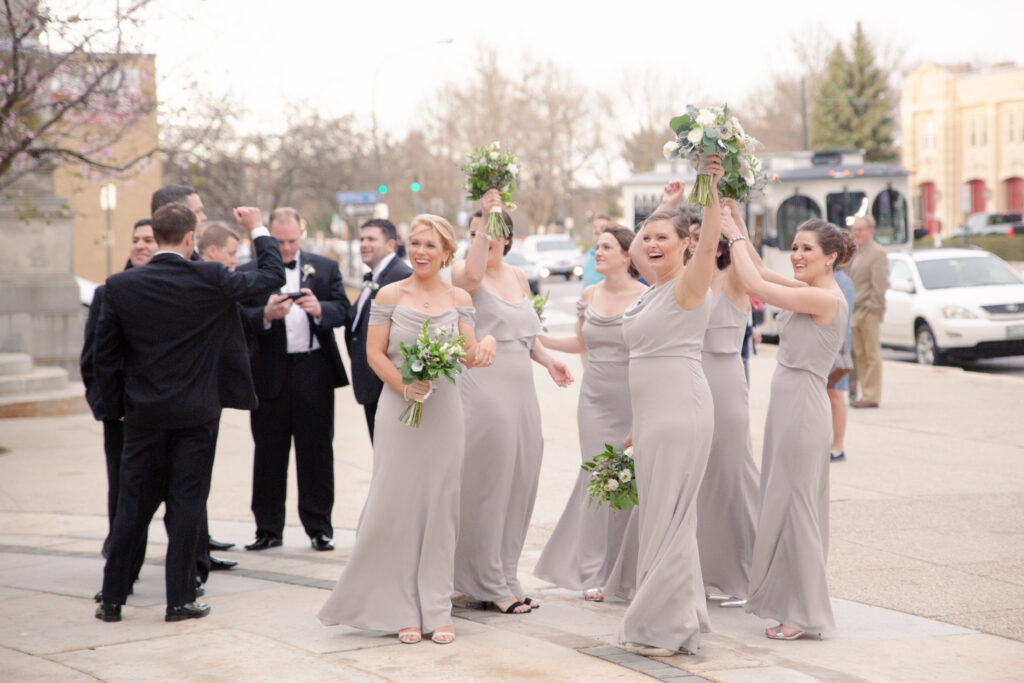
<point>296,367</point>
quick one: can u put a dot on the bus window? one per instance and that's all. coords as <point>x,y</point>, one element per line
<point>791,214</point>
<point>890,214</point>
<point>842,205</point>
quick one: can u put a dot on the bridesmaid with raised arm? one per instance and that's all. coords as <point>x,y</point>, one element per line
<point>787,578</point>
<point>673,423</point>
<point>587,540</point>
<point>504,444</point>
<point>727,502</point>
<point>399,577</point>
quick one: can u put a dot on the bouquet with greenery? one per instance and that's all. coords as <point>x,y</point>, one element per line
<point>491,169</point>
<point>540,302</point>
<point>429,358</point>
<point>613,480</point>
<point>704,132</point>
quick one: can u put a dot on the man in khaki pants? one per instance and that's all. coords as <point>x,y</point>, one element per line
<point>869,271</point>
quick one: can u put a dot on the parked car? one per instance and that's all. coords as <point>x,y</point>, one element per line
<point>521,261</point>
<point>555,255</point>
<point>953,304</point>
<point>1007,223</point>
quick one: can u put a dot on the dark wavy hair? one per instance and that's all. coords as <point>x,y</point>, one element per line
<point>832,239</point>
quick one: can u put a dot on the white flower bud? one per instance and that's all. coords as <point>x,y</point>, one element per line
<point>625,476</point>
<point>695,135</point>
<point>670,149</point>
<point>611,485</point>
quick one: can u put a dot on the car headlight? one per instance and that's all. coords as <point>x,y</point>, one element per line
<point>544,272</point>
<point>954,311</point>
<point>577,271</point>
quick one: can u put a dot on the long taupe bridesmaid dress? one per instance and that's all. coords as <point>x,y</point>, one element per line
<point>586,542</point>
<point>787,576</point>
<point>727,502</point>
<point>400,572</point>
<point>504,446</point>
<point>673,422</point>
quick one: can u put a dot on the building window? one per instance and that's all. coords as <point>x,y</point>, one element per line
<point>974,137</point>
<point>929,135</point>
<point>1009,128</point>
<point>984,130</point>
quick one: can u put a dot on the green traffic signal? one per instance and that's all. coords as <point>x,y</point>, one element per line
<point>415,186</point>
<point>383,189</point>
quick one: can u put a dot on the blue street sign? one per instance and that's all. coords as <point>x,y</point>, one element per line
<point>358,197</point>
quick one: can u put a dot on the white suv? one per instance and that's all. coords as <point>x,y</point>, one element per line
<point>555,255</point>
<point>955,304</point>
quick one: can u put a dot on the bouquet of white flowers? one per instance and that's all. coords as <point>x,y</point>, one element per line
<point>703,132</point>
<point>490,168</point>
<point>430,357</point>
<point>613,480</point>
<point>540,302</point>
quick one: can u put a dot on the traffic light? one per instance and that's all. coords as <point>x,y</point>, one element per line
<point>415,186</point>
<point>382,189</point>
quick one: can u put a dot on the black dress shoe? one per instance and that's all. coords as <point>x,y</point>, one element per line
<point>221,565</point>
<point>264,542</point>
<point>192,610</point>
<point>322,542</point>
<point>219,545</point>
<point>107,612</point>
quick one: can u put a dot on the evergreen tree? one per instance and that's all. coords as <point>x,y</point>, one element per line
<point>853,104</point>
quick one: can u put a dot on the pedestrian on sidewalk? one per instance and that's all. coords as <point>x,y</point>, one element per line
<point>869,271</point>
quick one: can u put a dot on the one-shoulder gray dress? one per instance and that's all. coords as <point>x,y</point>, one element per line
<point>673,422</point>
<point>787,575</point>
<point>586,542</point>
<point>504,446</point>
<point>727,502</point>
<point>400,573</point>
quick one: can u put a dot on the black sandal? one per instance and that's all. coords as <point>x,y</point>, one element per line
<point>511,609</point>
<point>530,602</point>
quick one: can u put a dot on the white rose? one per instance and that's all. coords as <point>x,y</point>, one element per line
<point>705,118</point>
<point>746,173</point>
<point>611,485</point>
<point>625,476</point>
<point>513,169</point>
<point>494,156</point>
<point>695,135</point>
<point>629,452</point>
<point>670,149</point>
<point>496,145</point>
<point>417,365</point>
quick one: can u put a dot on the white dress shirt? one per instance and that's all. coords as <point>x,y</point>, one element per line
<point>364,295</point>
<point>296,323</point>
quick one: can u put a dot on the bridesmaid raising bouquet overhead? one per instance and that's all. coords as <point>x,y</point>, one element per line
<point>491,169</point>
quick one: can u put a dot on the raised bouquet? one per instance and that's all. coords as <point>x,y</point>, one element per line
<point>429,358</point>
<point>701,133</point>
<point>491,169</point>
<point>612,478</point>
<point>540,302</point>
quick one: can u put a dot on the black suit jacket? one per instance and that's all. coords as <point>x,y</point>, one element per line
<point>85,364</point>
<point>365,384</point>
<point>269,360</point>
<point>162,333</point>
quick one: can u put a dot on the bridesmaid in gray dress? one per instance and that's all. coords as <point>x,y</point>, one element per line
<point>587,541</point>
<point>399,577</point>
<point>504,444</point>
<point>673,422</point>
<point>788,574</point>
<point>727,500</point>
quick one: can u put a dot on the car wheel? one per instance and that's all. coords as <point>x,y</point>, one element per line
<point>925,349</point>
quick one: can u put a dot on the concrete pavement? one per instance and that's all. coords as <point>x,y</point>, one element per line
<point>926,568</point>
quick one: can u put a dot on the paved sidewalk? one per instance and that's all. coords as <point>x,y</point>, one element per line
<point>927,562</point>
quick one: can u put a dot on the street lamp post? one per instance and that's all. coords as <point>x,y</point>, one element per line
<point>108,202</point>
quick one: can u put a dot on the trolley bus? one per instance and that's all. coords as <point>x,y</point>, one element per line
<point>838,186</point>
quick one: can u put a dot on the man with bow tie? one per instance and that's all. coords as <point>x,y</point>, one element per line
<point>377,242</point>
<point>296,367</point>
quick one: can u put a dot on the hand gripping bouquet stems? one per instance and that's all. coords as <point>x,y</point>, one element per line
<point>612,478</point>
<point>491,169</point>
<point>429,358</point>
<point>703,132</point>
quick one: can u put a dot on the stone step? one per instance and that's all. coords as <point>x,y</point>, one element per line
<point>15,364</point>
<point>68,400</point>
<point>34,381</point>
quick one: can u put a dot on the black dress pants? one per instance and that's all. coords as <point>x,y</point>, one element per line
<point>303,411</point>
<point>170,466</point>
<point>113,447</point>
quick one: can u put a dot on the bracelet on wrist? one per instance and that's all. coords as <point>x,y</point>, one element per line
<point>405,392</point>
<point>734,239</point>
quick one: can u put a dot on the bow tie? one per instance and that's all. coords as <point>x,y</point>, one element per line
<point>291,265</point>
<point>368,277</point>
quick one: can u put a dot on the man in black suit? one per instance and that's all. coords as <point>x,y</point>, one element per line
<point>297,367</point>
<point>153,321</point>
<point>377,242</point>
<point>143,248</point>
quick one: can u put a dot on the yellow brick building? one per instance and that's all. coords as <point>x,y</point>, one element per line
<point>81,188</point>
<point>963,140</point>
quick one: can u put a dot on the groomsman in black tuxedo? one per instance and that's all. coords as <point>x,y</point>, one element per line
<point>150,374</point>
<point>378,240</point>
<point>297,367</point>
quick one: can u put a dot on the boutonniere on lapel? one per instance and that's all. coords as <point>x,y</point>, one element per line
<point>308,271</point>
<point>371,285</point>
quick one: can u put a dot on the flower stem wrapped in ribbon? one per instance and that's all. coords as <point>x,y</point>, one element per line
<point>612,478</point>
<point>701,133</point>
<point>429,358</point>
<point>491,169</point>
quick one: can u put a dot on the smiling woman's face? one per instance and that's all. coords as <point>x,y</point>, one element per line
<point>661,244</point>
<point>809,261</point>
